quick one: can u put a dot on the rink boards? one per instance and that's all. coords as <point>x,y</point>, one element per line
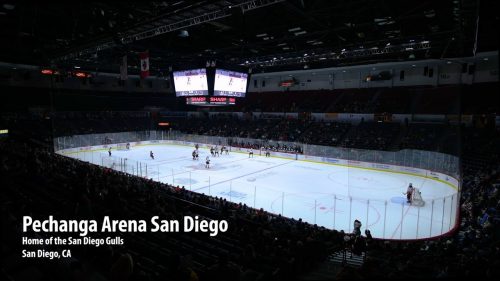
<point>328,192</point>
<point>446,179</point>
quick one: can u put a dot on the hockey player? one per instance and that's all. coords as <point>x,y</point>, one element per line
<point>250,153</point>
<point>409,193</point>
<point>109,152</point>
<point>194,154</point>
<point>207,163</point>
<point>151,155</point>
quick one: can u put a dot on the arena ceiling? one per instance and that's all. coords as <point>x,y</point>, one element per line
<point>264,35</point>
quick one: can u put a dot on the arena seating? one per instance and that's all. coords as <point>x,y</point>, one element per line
<point>288,101</point>
<point>424,136</point>
<point>393,100</point>
<point>276,248</point>
<point>356,101</point>
<point>372,135</point>
<point>424,100</point>
<point>488,103</point>
<point>248,250</point>
<point>70,123</point>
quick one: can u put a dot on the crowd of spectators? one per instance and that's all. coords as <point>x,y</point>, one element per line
<point>266,146</point>
<point>472,252</point>
<point>365,135</point>
<point>422,136</point>
<point>305,131</point>
<point>372,135</point>
<point>258,245</point>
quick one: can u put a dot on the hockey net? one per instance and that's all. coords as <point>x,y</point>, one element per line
<point>122,146</point>
<point>416,199</point>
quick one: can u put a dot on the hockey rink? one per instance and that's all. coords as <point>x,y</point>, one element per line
<point>325,194</point>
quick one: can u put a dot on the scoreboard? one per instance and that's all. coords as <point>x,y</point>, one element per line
<point>210,101</point>
<point>210,86</point>
<point>190,83</point>
<point>230,83</point>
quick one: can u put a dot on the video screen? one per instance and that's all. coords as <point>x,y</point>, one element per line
<point>230,83</point>
<point>191,83</point>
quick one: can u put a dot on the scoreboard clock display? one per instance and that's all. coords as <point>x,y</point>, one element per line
<point>210,101</point>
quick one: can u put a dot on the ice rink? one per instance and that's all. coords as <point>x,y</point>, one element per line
<point>325,194</point>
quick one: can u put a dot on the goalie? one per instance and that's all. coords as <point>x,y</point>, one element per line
<point>409,193</point>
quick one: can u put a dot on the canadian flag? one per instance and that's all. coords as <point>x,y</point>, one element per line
<point>144,64</point>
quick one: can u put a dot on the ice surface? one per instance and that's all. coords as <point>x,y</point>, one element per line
<point>328,195</point>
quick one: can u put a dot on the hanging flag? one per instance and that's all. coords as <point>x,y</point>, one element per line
<point>144,64</point>
<point>123,68</point>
